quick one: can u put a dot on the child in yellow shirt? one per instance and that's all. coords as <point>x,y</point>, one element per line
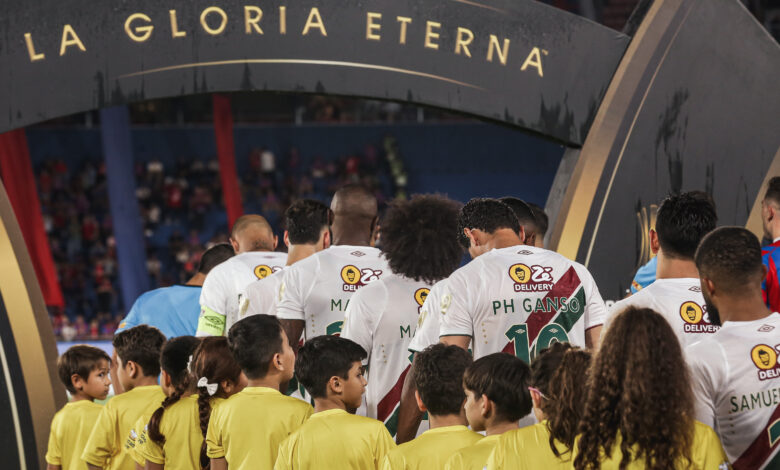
<point>438,376</point>
<point>138,365</point>
<point>171,438</point>
<point>84,371</point>
<point>497,398</point>
<point>559,377</point>
<point>331,370</point>
<point>245,431</point>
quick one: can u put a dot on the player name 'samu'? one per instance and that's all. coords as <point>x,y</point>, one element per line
<point>390,29</point>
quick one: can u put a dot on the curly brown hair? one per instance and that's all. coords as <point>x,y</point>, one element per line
<point>640,395</point>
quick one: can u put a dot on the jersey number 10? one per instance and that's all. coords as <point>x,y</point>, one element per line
<point>549,334</point>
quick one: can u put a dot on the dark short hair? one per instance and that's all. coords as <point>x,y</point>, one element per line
<point>731,258</point>
<point>215,255</point>
<point>773,190</point>
<point>253,341</point>
<point>504,379</point>
<point>81,360</point>
<point>419,237</point>
<point>141,344</point>
<point>542,220</point>
<point>681,223</point>
<point>175,357</point>
<point>544,365</point>
<point>304,221</point>
<point>323,357</point>
<point>523,212</point>
<point>438,376</point>
<point>487,215</point>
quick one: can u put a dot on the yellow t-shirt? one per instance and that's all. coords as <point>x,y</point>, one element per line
<point>247,428</point>
<point>707,452</point>
<point>431,449</point>
<point>474,456</point>
<point>70,430</point>
<point>106,445</point>
<point>180,424</point>
<point>528,448</point>
<point>335,439</point>
<point>135,439</point>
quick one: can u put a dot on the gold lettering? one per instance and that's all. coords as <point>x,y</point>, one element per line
<point>430,34</point>
<point>139,33</point>
<point>70,38</point>
<point>282,20</point>
<point>534,59</point>
<point>31,48</point>
<point>175,33</point>
<point>404,23</point>
<point>371,26</point>
<point>222,24</point>
<point>252,16</point>
<point>465,37</point>
<point>314,21</point>
<point>494,46</point>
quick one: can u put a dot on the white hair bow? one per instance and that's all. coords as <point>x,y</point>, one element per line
<point>189,364</point>
<point>210,388</point>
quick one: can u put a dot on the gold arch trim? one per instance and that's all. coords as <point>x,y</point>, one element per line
<point>333,63</point>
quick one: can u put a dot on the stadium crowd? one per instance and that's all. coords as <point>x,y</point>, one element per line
<point>180,204</point>
<point>368,347</point>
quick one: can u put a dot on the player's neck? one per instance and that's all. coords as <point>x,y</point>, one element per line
<point>500,427</point>
<point>196,280</point>
<point>81,396</point>
<point>743,309</point>
<point>296,253</point>
<point>675,268</point>
<point>503,238</point>
<point>352,239</point>
<point>144,381</point>
<point>441,421</point>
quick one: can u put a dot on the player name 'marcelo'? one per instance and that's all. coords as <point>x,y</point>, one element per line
<point>140,27</point>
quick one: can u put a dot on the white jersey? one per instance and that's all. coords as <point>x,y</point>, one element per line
<point>428,323</point>
<point>519,300</point>
<point>381,318</point>
<point>260,297</point>
<point>736,385</point>
<point>681,304</point>
<point>318,289</point>
<point>221,294</point>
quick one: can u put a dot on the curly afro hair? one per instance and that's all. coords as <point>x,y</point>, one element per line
<point>419,237</point>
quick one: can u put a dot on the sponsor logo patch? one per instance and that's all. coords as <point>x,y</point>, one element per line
<point>262,271</point>
<point>419,296</point>
<point>355,278</point>
<point>531,279</point>
<point>765,358</point>
<point>695,318</point>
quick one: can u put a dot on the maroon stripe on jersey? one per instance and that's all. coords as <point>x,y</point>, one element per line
<point>565,287</point>
<point>388,403</point>
<point>761,448</point>
<point>509,348</point>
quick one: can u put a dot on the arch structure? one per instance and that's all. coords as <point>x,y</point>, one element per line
<point>685,98</point>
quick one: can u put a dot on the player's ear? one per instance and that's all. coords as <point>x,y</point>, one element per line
<point>420,403</point>
<point>336,384</point>
<point>286,238</point>
<point>77,382</point>
<point>325,237</point>
<point>132,369</point>
<point>708,286</point>
<point>234,244</point>
<point>276,241</point>
<point>521,234</point>
<point>530,239</point>
<point>277,362</point>
<point>655,245</point>
<point>486,406</point>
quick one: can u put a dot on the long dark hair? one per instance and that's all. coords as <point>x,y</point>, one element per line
<point>174,359</point>
<point>212,360</point>
<point>640,391</point>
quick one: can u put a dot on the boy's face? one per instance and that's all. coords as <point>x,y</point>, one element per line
<point>473,409</point>
<point>354,387</point>
<point>98,382</point>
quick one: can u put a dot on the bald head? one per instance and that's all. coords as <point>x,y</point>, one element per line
<point>252,233</point>
<point>354,215</point>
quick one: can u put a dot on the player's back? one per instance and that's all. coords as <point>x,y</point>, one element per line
<point>260,297</point>
<point>432,449</point>
<point>318,289</point>
<point>679,301</point>
<point>221,294</point>
<point>520,299</point>
<point>335,439</point>
<point>70,429</point>
<point>381,318</point>
<point>736,377</point>
<point>173,310</point>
